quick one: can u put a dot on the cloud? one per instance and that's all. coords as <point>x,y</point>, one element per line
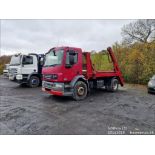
<point>41,35</point>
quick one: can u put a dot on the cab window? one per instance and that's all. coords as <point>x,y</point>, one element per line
<point>75,58</point>
<point>27,60</point>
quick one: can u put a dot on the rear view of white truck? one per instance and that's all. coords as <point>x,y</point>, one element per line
<point>26,69</point>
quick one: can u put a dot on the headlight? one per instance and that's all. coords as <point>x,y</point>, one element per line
<point>19,77</point>
<point>58,86</point>
<point>54,76</point>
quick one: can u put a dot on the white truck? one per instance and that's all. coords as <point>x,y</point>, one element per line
<point>26,69</point>
<point>5,71</point>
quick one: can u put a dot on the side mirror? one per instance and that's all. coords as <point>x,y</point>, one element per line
<point>71,59</point>
<point>23,62</point>
<point>41,61</point>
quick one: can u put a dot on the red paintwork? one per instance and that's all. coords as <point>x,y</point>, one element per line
<point>65,74</point>
<point>58,93</point>
<point>54,70</point>
<point>116,66</point>
<point>92,73</point>
<point>52,92</point>
<point>68,74</point>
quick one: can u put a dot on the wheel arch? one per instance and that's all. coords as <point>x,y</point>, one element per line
<point>79,78</point>
<point>34,74</point>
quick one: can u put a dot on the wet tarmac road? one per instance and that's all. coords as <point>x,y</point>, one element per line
<point>31,111</point>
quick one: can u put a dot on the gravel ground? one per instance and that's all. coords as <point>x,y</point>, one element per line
<point>131,110</point>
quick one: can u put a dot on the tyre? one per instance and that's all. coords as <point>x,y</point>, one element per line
<point>34,81</point>
<point>112,85</point>
<point>80,90</point>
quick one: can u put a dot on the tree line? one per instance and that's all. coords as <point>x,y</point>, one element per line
<point>4,60</point>
<point>135,54</point>
<point>137,62</point>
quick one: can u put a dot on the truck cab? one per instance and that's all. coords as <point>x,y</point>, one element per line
<point>26,69</point>
<point>68,71</point>
<point>5,71</point>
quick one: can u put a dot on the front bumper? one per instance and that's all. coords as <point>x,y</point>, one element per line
<point>55,88</point>
<point>18,78</point>
<point>52,92</point>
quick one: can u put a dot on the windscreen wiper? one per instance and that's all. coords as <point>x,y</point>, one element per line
<point>14,64</point>
<point>51,65</point>
<point>54,64</point>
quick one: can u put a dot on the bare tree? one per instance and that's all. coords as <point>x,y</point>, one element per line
<point>142,30</point>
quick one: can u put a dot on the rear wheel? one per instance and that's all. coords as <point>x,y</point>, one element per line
<point>112,85</point>
<point>34,81</point>
<point>80,90</point>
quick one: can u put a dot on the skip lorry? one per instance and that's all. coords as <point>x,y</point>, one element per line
<point>68,71</point>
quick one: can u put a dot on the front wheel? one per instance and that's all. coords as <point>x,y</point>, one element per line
<point>80,90</point>
<point>34,81</point>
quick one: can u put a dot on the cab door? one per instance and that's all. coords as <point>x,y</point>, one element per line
<point>74,69</point>
<point>29,64</point>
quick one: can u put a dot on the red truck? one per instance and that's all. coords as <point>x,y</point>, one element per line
<point>68,71</point>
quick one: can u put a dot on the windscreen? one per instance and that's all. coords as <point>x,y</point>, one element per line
<point>53,58</point>
<point>15,60</point>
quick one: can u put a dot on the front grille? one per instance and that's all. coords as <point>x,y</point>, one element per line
<point>47,76</point>
<point>50,76</point>
<point>13,71</point>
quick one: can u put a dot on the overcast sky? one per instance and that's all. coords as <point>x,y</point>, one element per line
<point>40,35</point>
